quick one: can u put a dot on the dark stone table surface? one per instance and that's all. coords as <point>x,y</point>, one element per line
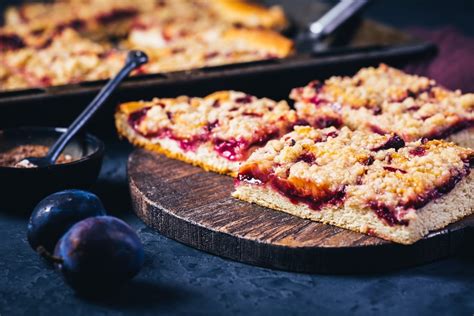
<point>177,279</point>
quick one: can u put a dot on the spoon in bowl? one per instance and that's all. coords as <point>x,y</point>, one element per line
<point>135,58</point>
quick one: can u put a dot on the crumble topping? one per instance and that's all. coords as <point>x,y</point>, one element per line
<point>232,121</point>
<point>202,35</point>
<point>212,46</point>
<point>363,169</point>
<point>385,100</point>
<point>68,59</point>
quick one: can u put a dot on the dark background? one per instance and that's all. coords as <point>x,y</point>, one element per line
<point>179,280</point>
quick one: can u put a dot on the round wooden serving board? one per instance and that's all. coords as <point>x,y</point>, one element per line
<point>194,207</point>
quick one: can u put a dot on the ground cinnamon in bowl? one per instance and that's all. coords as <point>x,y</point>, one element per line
<point>12,157</point>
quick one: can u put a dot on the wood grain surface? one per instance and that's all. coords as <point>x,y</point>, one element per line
<point>194,207</point>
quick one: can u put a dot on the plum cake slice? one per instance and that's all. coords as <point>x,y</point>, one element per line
<point>362,181</point>
<point>387,100</point>
<point>216,132</point>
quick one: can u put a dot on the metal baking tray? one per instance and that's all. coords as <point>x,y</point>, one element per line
<point>360,43</point>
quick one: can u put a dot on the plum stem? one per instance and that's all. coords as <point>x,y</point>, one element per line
<point>47,255</point>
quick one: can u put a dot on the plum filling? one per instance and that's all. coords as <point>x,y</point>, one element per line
<point>439,191</point>
<point>368,161</point>
<point>316,199</point>
<point>245,99</point>
<point>75,24</point>
<point>456,127</point>
<point>316,100</point>
<point>393,169</point>
<point>309,158</point>
<point>377,110</point>
<point>414,94</point>
<point>135,118</point>
<point>301,122</point>
<point>289,190</point>
<point>377,130</point>
<point>191,144</point>
<point>253,175</point>
<point>185,143</point>
<point>211,126</point>
<point>238,149</point>
<point>326,121</point>
<point>116,15</point>
<point>211,55</point>
<point>387,213</point>
<point>418,151</point>
<point>231,149</point>
<point>11,41</point>
<point>252,114</point>
<point>332,134</point>
<point>469,161</point>
<point>316,85</point>
<point>395,142</point>
<point>413,108</point>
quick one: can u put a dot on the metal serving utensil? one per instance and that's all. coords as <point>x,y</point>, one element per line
<point>134,59</point>
<point>309,41</point>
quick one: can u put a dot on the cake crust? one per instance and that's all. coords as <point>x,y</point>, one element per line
<point>439,213</point>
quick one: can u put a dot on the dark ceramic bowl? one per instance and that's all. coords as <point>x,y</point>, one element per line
<point>22,188</point>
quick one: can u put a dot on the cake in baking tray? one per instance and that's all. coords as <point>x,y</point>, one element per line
<point>177,35</point>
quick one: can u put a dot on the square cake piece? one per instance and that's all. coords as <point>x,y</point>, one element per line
<point>362,181</point>
<point>387,100</point>
<point>216,132</point>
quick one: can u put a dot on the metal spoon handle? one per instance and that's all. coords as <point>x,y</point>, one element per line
<point>335,17</point>
<point>134,60</point>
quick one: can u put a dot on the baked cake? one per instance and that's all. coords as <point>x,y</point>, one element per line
<point>212,46</point>
<point>94,18</point>
<point>216,132</point>
<point>208,33</point>
<point>176,35</point>
<point>387,100</point>
<point>69,58</point>
<point>363,181</point>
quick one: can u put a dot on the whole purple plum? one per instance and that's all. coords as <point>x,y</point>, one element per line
<point>56,213</point>
<point>99,253</point>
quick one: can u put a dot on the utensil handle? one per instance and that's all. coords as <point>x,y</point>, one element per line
<point>335,17</point>
<point>134,59</point>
